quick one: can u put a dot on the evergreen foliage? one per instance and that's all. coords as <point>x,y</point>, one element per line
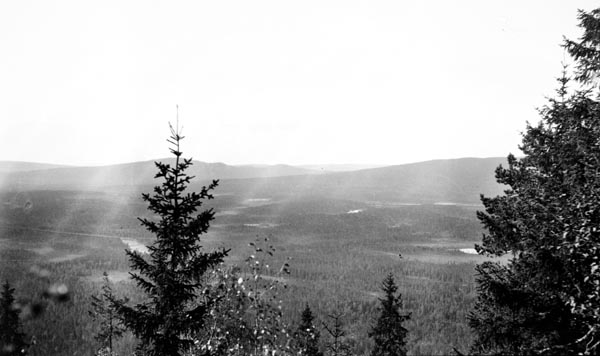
<point>586,52</point>
<point>389,334</point>
<point>12,339</point>
<point>338,344</point>
<point>104,313</point>
<point>172,274</point>
<point>307,336</point>
<point>546,299</point>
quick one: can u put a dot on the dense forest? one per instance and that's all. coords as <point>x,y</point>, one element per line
<point>336,263</point>
<point>185,271</point>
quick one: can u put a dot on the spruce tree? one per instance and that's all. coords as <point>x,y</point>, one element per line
<point>389,334</point>
<point>586,51</point>
<point>172,274</point>
<point>338,344</point>
<point>104,313</point>
<point>546,300</point>
<point>307,336</point>
<point>12,339</point>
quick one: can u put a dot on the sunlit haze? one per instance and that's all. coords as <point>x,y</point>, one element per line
<point>303,82</point>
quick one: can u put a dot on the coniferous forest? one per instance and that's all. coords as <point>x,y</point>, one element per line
<point>188,267</point>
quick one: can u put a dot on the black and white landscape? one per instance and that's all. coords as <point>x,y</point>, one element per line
<point>315,178</point>
<point>341,229</point>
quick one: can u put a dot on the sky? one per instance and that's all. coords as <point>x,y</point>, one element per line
<point>268,82</point>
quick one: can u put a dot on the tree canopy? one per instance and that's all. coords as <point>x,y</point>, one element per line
<point>389,333</point>
<point>307,336</point>
<point>546,299</point>
<point>172,274</point>
<point>12,338</point>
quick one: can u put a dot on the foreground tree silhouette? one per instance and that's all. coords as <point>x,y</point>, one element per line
<point>389,333</point>
<point>172,274</point>
<point>307,336</point>
<point>12,339</point>
<point>546,300</point>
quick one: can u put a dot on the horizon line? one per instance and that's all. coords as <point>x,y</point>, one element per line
<point>300,165</point>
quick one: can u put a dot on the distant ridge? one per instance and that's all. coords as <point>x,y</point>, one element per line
<point>340,167</point>
<point>458,181</point>
<point>128,174</point>
<point>19,166</point>
<point>445,181</point>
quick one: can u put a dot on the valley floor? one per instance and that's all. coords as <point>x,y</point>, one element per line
<point>339,253</point>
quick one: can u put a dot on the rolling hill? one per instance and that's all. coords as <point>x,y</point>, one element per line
<point>328,168</point>
<point>130,175</point>
<point>438,181</point>
<point>17,166</point>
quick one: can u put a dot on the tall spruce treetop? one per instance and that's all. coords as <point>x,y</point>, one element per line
<point>171,275</point>
<point>307,336</point>
<point>388,333</point>
<point>546,299</point>
<point>12,339</point>
<point>586,51</point>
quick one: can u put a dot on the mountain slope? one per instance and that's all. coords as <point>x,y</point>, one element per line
<point>135,174</point>
<point>439,181</point>
<point>328,168</point>
<point>17,166</point>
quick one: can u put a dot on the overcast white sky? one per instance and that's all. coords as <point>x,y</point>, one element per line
<point>295,82</point>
